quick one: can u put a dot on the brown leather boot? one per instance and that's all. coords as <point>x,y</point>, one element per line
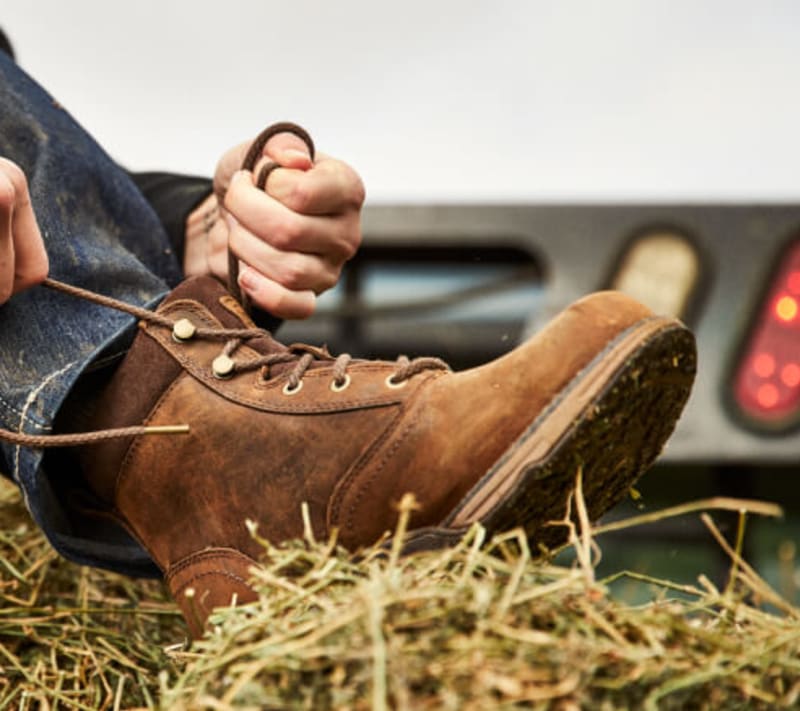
<point>271,427</point>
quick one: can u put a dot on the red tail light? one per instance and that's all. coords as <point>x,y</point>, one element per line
<point>767,383</point>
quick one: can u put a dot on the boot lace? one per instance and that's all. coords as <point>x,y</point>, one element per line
<point>224,366</point>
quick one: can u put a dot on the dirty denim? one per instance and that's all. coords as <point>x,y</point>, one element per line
<point>100,234</point>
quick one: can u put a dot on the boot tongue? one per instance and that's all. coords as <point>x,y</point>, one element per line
<point>218,300</point>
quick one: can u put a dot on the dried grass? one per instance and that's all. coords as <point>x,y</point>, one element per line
<point>481,625</point>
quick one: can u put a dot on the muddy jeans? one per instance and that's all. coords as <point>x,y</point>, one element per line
<point>100,234</point>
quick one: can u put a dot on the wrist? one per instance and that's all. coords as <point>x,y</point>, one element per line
<point>199,225</point>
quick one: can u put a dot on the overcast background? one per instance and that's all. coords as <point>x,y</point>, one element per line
<point>444,101</point>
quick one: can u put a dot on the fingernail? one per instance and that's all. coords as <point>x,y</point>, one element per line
<point>238,176</point>
<point>247,278</point>
<point>297,154</point>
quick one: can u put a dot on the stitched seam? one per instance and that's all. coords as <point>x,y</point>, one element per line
<point>342,487</point>
<point>344,483</point>
<point>28,403</point>
<point>190,365</point>
<point>362,488</point>
<point>122,474</point>
<point>385,457</point>
<point>210,573</point>
<point>446,536</point>
<point>213,384</point>
<point>13,410</point>
<point>213,554</point>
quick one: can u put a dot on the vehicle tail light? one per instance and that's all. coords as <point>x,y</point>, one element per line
<point>660,269</point>
<point>767,382</point>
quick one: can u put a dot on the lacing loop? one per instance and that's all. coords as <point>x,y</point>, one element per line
<point>338,387</point>
<point>224,366</point>
<point>407,368</point>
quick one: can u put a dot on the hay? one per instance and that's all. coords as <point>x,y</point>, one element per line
<point>481,625</point>
<point>72,637</point>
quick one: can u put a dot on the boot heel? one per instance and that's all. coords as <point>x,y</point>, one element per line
<point>213,577</point>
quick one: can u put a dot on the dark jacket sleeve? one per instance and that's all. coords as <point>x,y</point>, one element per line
<point>173,197</point>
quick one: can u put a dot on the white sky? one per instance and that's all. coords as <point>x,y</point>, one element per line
<point>442,101</point>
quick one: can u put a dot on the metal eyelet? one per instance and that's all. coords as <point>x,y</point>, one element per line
<point>337,387</point>
<point>183,330</point>
<point>223,367</point>
<point>395,385</point>
<point>289,390</point>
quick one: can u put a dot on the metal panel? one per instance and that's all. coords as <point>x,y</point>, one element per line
<point>578,248</point>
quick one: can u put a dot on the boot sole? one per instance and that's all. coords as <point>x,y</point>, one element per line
<point>611,422</point>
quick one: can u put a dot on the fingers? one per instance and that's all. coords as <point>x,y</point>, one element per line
<point>23,259</point>
<point>6,238</point>
<point>288,150</point>
<point>275,298</point>
<point>294,270</point>
<point>334,237</point>
<point>332,187</point>
<point>31,264</point>
<point>292,237</point>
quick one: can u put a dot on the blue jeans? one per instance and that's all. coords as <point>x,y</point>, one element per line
<point>101,234</point>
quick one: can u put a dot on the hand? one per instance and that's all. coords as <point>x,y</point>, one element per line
<point>23,260</point>
<point>294,237</point>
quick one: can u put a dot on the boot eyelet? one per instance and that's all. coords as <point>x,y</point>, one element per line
<point>183,330</point>
<point>338,387</point>
<point>223,367</point>
<point>395,384</point>
<point>289,390</point>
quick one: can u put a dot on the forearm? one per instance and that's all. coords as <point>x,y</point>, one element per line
<point>201,226</point>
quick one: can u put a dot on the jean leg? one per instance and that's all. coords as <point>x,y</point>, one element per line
<point>101,234</point>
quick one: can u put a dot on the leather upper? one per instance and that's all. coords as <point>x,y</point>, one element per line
<point>255,452</point>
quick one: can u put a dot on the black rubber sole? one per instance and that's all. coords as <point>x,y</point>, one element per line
<point>613,440</point>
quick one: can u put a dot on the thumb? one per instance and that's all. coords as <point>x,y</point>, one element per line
<point>289,150</point>
<point>286,149</point>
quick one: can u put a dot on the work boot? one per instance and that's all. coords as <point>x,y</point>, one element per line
<point>271,427</point>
